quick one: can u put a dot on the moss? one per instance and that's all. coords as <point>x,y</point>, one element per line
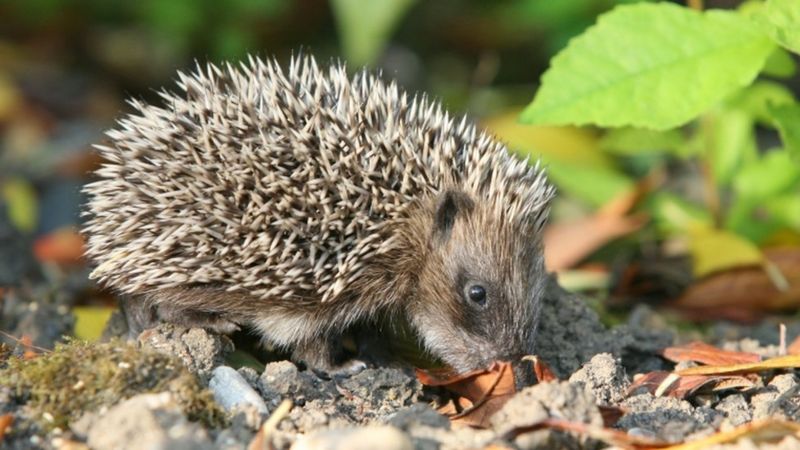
<point>79,376</point>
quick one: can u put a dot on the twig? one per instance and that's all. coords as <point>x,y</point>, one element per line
<point>782,333</point>
<point>21,341</point>
<point>261,439</point>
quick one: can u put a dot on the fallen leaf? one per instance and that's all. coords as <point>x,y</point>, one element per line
<point>780,362</point>
<point>715,250</point>
<point>757,432</point>
<point>5,421</point>
<point>542,371</point>
<point>794,347</point>
<point>567,243</point>
<point>745,292</point>
<point>63,246</point>
<point>90,321</point>
<point>708,354</point>
<point>611,414</point>
<point>480,393</point>
<point>610,436</point>
<point>672,384</point>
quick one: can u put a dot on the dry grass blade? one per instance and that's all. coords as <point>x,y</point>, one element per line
<point>261,439</point>
<point>780,362</point>
<point>708,354</point>
<point>757,432</point>
<point>610,436</point>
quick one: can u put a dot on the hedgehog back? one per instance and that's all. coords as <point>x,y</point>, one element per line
<point>283,184</point>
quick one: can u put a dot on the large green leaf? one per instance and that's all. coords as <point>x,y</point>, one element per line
<point>781,20</point>
<point>650,66</point>
<point>364,26</point>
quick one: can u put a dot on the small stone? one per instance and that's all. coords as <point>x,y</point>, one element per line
<point>232,391</point>
<point>417,415</point>
<point>604,377</point>
<point>736,410</point>
<point>197,348</point>
<point>535,403</point>
<point>670,418</point>
<point>374,437</point>
<point>146,422</point>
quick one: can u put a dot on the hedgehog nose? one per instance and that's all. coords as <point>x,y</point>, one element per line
<point>523,373</point>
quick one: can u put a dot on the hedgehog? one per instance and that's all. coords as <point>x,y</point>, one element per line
<point>302,204</point>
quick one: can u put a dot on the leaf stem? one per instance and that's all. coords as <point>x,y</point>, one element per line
<point>697,5</point>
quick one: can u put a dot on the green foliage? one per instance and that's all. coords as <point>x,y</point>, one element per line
<point>787,120</point>
<point>649,65</point>
<point>673,84</point>
<point>779,19</point>
<point>364,27</point>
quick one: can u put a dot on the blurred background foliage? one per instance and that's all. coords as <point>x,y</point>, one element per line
<point>628,196</point>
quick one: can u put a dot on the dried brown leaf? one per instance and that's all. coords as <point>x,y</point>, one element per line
<point>5,421</point>
<point>543,372</point>
<point>683,386</point>
<point>479,393</point>
<point>745,292</point>
<point>708,354</point>
<point>63,246</point>
<point>794,347</point>
<point>611,414</point>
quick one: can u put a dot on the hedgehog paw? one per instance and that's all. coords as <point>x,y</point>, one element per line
<point>346,370</point>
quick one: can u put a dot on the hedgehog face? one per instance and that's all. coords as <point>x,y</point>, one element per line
<point>479,292</point>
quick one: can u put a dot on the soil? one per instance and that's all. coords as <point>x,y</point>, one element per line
<point>157,407</point>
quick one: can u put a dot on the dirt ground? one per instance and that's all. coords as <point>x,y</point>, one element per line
<point>81,400</point>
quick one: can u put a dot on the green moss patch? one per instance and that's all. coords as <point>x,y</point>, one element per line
<point>80,376</point>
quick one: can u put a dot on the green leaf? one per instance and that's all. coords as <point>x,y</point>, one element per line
<point>780,64</point>
<point>651,66</point>
<point>632,141</point>
<point>364,26</point>
<point>732,145</point>
<point>594,185</point>
<point>674,215</point>
<point>781,20</point>
<point>773,174</point>
<point>716,250</point>
<point>787,120</point>
<point>757,98</point>
<point>90,321</point>
<point>786,209</point>
<point>22,203</point>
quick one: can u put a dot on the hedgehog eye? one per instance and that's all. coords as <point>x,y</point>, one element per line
<point>477,294</point>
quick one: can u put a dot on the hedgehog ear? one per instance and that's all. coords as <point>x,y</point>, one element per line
<point>450,205</point>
